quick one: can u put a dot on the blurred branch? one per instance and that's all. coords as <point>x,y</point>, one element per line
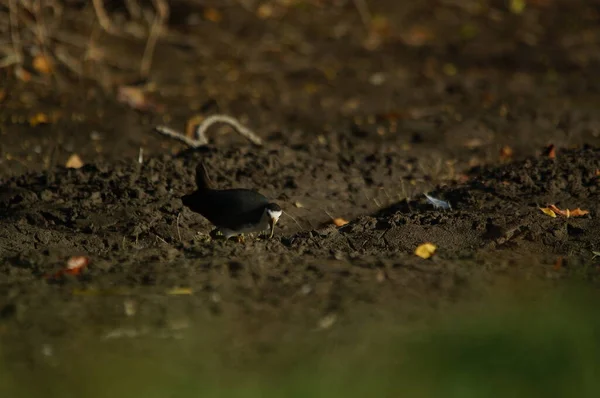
<point>103,18</point>
<point>162,15</point>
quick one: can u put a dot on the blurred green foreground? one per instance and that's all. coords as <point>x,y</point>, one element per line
<point>549,347</point>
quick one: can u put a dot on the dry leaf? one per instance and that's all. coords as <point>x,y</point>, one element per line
<point>212,14</point>
<point>506,152</point>
<point>449,69</point>
<point>74,162</point>
<point>39,118</point>
<point>2,94</point>
<point>75,264</point>
<point>567,213</point>
<point>548,212</point>
<point>473,143</point>
<point>180,291</point>
<point>22,74</point>
<point>42,65</point>
<point>425,250</point>
<point>339,222</point>
<point>578,212</point>
<point>517,6</point>
<point>137,98</point>
<point>550,151</point>
<point>418,36</point>
<point>265,11</point>
<point>558,264</point>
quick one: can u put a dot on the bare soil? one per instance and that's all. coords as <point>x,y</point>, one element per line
<point>352,129</point>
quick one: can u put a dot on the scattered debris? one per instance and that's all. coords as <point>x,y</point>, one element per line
<point>74,162</point>
<point>298,205</point>
<point>22,74</point>
<point>596,254</point>
<point>39,118</point>
<point>212,14</point>
<point>425,250</point>
<point>42,64</point>
<point>506,152</point>
<point>558,264</point>
<point>327,321</point>
<point>129,307</point>
<point>517,6</point>
<point>437,203</point>
<point>552,211</point>
<point>137,98</point>
<point>550,152</point>
<point>74,266</point>
<point>180,291</point>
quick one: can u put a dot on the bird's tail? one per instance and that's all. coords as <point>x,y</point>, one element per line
<point>203,181</point>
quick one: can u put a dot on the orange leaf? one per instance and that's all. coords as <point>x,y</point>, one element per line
<point>558,211</point>
<point>339,222</point>
<point>506,152</point>
<point>39,118</point>
<point>42,64</point>
<point>578,212</point>
<point>568,213</point>
<point>550,151</point>
<point>212,14</point>
<point>74,266</point>
<point>558,264</point>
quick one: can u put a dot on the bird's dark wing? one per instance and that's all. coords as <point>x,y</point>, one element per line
<point>227,207</point>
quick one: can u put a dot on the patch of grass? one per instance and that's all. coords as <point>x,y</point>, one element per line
<point>549,348</point>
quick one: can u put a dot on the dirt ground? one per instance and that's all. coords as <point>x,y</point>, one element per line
<point>457,99</point>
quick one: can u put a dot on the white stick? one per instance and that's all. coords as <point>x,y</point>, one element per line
<point>201,139</point>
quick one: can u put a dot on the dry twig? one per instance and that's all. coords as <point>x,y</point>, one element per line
<point>103,18</point>
<point>162,14</point>
<point>202,140</point>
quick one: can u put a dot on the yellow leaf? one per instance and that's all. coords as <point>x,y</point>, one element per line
<point>74,162</point>
<point>40,118</point>
<point>548,212</point>
<point>425,250</point>
<point>177,291</point>
<point>517,6</point>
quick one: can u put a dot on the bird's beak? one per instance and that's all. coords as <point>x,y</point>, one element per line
<point>272,223</point>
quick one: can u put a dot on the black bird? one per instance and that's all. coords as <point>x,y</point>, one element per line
<point>233,211</point>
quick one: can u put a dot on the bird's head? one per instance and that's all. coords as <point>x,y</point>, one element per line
<point>274,212</point>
